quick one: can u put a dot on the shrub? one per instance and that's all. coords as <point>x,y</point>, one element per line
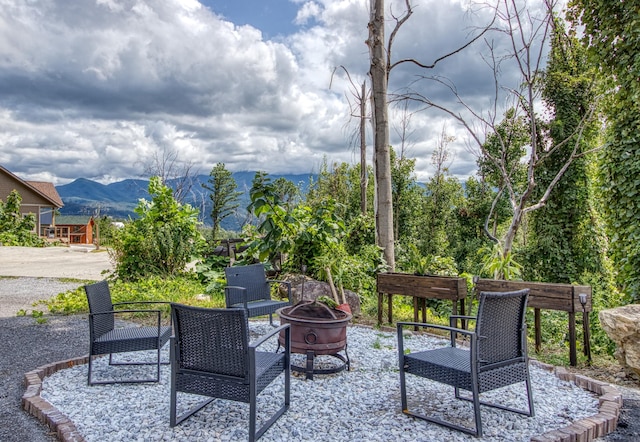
<point>161,241</point>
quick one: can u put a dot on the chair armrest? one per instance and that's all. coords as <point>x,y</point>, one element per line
<point>453,318</point>
<point>453,331</point>
<point>287,283</point>
<point>146,302</point>
<point>113,312</point>
<point>266,337</point>
<point>436,326</point>
<point>234,295</point>
<point>463,317</point>
<point>141,302</point>
<point>117,312</point>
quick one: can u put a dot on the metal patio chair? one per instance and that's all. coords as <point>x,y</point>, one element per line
<point>497,356</point>
<point>249,288</point>
<point>105,338</point>
<point>211,356</point>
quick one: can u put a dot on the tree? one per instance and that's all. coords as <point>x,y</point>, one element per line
<point>381,64</point>
<point>161,241</point>
<point>611,33</point>
<point>15,229</point>
<point>566,238</point>
<point>359,111</point>
<point>527,36</point>
<point>167,166</point>
<point>444,196</point>
<point>379,73</point>
<point>223,195</point>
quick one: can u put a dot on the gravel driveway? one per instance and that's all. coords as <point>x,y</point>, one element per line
<point>28,275</point>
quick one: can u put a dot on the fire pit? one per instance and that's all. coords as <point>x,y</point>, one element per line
<point>316,330</point>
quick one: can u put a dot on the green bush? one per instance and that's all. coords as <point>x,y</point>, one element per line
<point>161,241</point>
<point>181,290</point>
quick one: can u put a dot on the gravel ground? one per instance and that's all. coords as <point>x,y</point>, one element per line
<point>25,344</point>
<point>360,405</point>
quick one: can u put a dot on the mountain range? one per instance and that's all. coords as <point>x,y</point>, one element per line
<point>118,200</point>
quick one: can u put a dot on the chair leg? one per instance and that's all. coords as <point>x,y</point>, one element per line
<point>89,370</point>
<point>157,363</point>
<point>529,395</point>
<point>477,431</point>
<point>174,419</point>
<point>476,409</point>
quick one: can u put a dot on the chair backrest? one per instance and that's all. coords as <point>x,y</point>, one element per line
<point>500,326</point>
<point>252,278</point>
<point>99,299</point>
<point>212,340</point>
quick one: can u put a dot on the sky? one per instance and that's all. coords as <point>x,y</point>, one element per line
<point>102,89</point>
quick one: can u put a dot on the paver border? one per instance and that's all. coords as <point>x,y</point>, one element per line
<point>583,430</point>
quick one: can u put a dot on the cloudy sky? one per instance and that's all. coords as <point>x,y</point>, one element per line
<point>99,88</point>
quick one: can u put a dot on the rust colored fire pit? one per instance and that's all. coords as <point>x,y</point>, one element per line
<point>316,330</point>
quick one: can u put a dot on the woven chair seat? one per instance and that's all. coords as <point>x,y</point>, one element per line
<point>131,339</point>
<point>448,365</point>
<point>261,308</point>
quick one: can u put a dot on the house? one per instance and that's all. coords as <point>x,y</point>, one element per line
<point>38,198</point>
<point>73,229</point>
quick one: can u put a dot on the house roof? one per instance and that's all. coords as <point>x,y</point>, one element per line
<point>73,220</point>
<point>48,190</point>
<point>44,189</point>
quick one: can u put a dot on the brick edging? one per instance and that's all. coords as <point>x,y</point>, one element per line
<point>592,427</point>
<point>583,430</point>
<point>42,410</point>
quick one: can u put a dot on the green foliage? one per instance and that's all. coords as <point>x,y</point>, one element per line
<point>210,271</point>
<point>353,272</point>
<point>505,147</point>
<point>412,261</point>
<point>327,301</point>
<point>499,265</point>
<point>223,196</point>
<point>612,35</point>
<point>471,215</point>
<point>302,233</point>
<point>161,241</point>
<point>15,229</point>
<point>180,289</point>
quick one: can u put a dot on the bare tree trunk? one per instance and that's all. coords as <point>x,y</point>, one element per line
<point>379,77</point>
<point>363,150</point>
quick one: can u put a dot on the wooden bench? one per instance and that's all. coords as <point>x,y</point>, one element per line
<point>549,296</point>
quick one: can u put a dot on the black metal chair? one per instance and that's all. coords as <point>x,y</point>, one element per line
<point>497,356</point>
<point>105,338</point>
<point>249,288</point>
<point>211,356</point>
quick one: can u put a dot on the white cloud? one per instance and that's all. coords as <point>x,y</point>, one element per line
<point>93,89</point>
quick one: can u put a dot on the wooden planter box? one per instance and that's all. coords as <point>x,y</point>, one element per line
<point>420,288</point>
<point>549,296</point>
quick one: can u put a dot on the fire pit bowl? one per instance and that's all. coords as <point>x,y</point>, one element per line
<point>316,330</point>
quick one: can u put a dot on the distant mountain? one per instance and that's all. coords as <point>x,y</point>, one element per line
<point>118,200</point>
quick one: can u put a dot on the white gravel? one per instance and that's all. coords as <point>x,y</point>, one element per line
<point>360,405</point>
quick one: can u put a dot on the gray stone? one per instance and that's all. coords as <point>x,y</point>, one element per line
<point>622,325</point>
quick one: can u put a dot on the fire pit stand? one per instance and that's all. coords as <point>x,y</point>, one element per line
<point>316,330</point>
